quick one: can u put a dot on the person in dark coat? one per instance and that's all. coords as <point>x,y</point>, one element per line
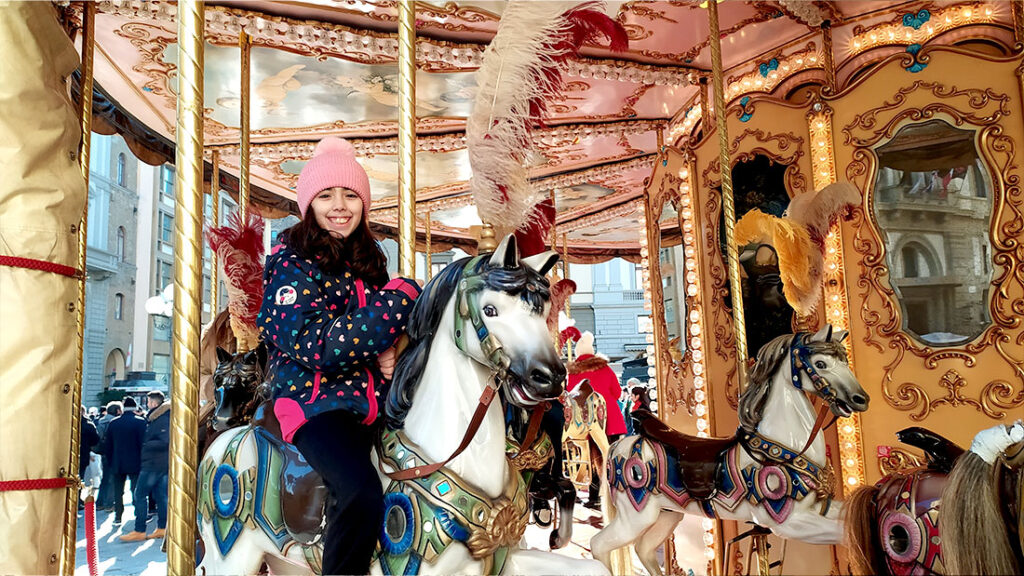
<point>330,318</point>
<point>105,500</point>
<point>123,445</point>
<point>87,438</point>
<point>152,485</point>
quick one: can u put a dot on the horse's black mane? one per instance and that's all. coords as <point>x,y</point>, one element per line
<point>428,313</point>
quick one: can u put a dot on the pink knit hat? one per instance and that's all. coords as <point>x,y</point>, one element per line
<point>333,165</point>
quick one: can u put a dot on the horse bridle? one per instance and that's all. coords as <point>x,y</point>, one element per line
<point>467,308</point>
<point>800,363</point>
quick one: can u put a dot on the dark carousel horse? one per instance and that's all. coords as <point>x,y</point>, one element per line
<point>547,484</point>
<point>239,389</point>
<point>893,526</point>
<point>960,513</point>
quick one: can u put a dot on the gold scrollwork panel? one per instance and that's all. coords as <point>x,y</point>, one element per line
<point>909,376</point>
<point>764,128</point>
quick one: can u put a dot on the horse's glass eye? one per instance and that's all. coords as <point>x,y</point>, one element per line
<point>820,365</point>
<point>490,311</point>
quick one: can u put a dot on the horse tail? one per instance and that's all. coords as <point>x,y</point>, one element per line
<point>974,536</point>
<point>861,527</point>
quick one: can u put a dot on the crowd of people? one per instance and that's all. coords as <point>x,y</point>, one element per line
<point>125,443</point>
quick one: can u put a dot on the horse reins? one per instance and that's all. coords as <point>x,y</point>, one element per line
<point>800,363</point>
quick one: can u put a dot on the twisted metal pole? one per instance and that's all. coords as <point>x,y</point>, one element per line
<point>407,139</point>
<point>429,258</point>
<point>188,286</point>
<point>215,222</point>
<point>826,49</point>
<point>728,207</point>
<point>245,47</point>
<point>71,505</point>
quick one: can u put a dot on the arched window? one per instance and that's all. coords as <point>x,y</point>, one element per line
<point>119,306</point>
<point>910,269</point>
<point>120,169</point>
<point>120,243</point>
<point>918,261</point>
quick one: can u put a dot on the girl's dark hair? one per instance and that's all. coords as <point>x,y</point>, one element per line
<point>359,253</point>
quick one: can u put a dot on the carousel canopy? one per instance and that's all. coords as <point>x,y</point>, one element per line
<point>330,68</point>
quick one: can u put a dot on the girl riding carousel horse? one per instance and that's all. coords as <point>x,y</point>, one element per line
<point>330,318</point>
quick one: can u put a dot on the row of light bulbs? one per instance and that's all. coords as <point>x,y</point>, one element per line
<point>850,453</point>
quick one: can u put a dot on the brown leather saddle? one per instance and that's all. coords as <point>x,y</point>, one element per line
<point>699,459</point>
<point>303,493</point>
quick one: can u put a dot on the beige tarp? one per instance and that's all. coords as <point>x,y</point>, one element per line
<point>41,199</point>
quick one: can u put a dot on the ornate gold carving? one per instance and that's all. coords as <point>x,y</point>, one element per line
<point>151,40</point>
<point>983,109</point>
<point>892,460</point>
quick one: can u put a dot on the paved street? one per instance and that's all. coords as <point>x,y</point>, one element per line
<point>118,558</point>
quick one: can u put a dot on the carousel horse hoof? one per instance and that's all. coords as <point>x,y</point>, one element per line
<point>542,513</point>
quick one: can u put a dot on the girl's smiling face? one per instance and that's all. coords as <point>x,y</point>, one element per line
<point>338,211</point>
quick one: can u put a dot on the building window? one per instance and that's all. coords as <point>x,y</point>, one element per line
<point>162,367</point>
<point>167,185</point>
<point>166,233</point>
<point>120,169</point>
<point>165,275</point>
<point>120,243</point>
<point>119,307</point>
<point>161,328</point>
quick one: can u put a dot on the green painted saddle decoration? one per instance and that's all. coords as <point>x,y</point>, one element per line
<point>424,515</point>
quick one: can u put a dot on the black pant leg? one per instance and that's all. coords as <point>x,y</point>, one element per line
<point>118,495</point>
<point>338,447</point>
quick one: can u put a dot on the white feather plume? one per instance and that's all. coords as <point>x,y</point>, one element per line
<point>497,131</point>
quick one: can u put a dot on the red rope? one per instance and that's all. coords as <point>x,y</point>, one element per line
<point>33,264</point>
<point>91,550</point>
<point>37,484</point>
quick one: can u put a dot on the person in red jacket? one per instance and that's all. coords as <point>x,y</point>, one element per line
<point>590,366</point>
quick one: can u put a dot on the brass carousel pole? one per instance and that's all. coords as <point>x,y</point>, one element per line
<point>71,506</point>
<point>407,139</point>
<point>565,275</point>
<point>215,220</point>
<point>705,106</point>
<point>245,47</point>
<point>1018,22</point>
<point>728,208</point>
<point>188,210</point>
<point>735,290</point>
<point>429,262</point>
<point>826,49</point>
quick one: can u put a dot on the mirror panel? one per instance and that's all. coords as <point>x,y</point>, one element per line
<point>933,204</point>
<point>760,183</point>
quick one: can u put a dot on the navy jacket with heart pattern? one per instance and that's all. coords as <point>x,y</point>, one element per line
<point>323,334</point>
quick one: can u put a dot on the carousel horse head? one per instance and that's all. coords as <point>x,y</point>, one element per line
<point>237,380</point>
<point>494,308</point>
<point>818,365</point>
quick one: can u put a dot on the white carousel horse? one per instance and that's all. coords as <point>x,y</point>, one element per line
<point>761,475</point>
<point>477,325</point>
